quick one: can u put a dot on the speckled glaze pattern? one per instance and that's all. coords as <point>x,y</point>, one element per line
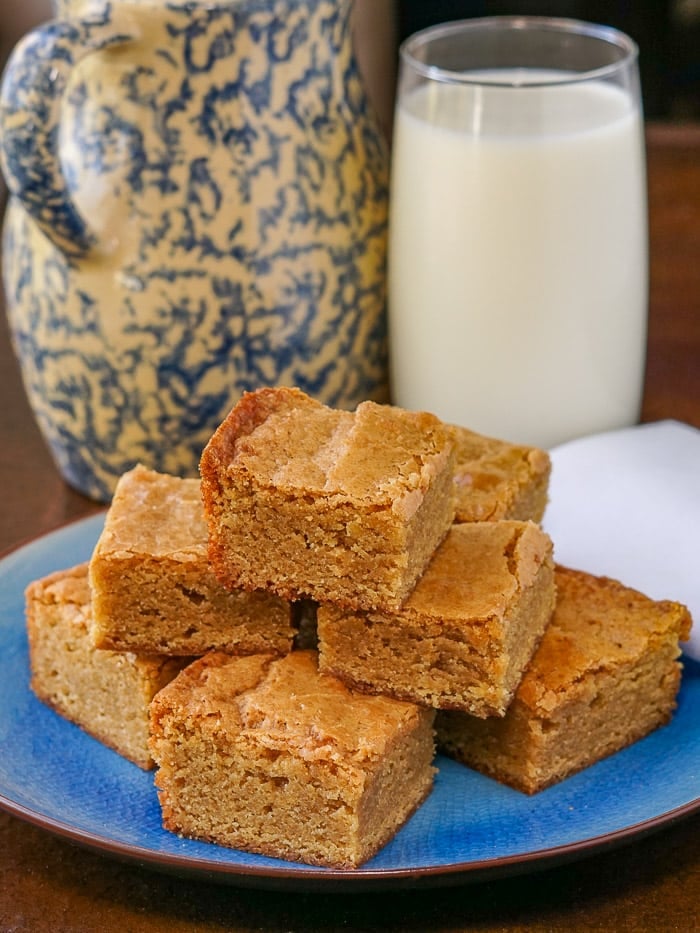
<point>198,208</point>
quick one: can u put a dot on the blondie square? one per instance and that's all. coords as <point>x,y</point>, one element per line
<point>465,634</point>
<point>308,501</point>
<point>606,673</point>
<point>495,479</point>
<point>153,589</point>
<point>266,754</point>
<point>104,692</point>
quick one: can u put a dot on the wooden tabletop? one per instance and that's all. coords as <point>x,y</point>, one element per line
<point>651,883</point>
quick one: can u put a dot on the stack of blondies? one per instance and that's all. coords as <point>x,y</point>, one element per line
<point>290,638</point>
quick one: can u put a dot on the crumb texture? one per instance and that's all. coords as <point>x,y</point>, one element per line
<point>606,674</point>
<point>106,693</point>
<point>496,480</point>
<point>467,631</point>
<point>310,502</point>
<point>153,589</point>
<point>267,755</point>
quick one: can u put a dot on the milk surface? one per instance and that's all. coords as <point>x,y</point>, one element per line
<point>518,258</point>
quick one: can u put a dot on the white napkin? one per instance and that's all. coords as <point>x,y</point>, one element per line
<point>626,504</point>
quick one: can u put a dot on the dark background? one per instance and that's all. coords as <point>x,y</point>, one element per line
<point>667,33</point>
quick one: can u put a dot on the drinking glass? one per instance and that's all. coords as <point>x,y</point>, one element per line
<point>518,273</point>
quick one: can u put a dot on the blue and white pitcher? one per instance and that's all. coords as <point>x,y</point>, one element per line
<point>198,207</point>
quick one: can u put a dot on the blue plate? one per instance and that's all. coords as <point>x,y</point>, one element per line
<point>56,776</point>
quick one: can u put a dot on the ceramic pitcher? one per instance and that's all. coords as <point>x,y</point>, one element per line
<point>198,207</point>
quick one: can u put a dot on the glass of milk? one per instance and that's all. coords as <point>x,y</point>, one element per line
<point>518,280</point>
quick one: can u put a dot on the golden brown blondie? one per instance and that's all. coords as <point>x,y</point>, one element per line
<point>465,634</point>
<point>270,756</point>
<point>606,673</point>
<point>308,501</point>
<point>495,479</point>
<point>153,589</point>
<point>106,693</point>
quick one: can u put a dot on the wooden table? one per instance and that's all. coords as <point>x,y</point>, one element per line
<point>652,883</point>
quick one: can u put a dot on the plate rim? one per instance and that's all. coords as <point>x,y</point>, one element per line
<point>301,877</point>
<point>313,878</point>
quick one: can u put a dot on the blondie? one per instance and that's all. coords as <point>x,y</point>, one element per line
<point>606,673</point>
<point>495,479</point>
<point>153,589</point>
<point>106,693</point>
<point>269,756</point>
<point>308,501</point>
<point>465,634</point>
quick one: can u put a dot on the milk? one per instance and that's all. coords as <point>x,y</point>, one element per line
<point>518,258</point>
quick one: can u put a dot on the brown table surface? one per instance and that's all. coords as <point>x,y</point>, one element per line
<point>651,883</point>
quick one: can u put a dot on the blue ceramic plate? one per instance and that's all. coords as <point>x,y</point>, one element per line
<point>54,775</point>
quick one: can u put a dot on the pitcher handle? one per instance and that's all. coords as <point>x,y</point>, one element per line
<point>33,85</point>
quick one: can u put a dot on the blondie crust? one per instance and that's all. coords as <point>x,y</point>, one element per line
<point>267,755</point>
<point>495,479</point>
<point>467,631</point>
<point>153,589</point>
<point>106,693</point>
<point>308,501</point>
<point>606,674</point>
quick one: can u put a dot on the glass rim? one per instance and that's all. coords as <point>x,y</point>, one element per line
<point>606,34</point>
